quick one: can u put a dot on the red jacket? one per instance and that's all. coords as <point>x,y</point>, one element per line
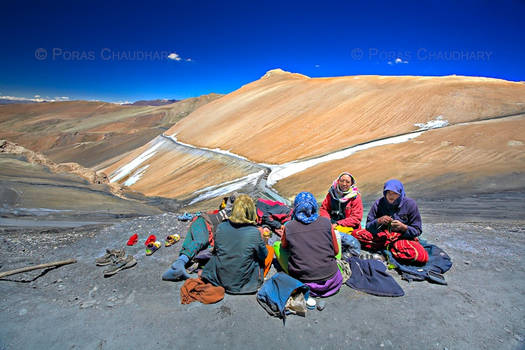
<point>353,212</point>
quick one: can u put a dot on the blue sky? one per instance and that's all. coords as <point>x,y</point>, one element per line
<point>119,51</point>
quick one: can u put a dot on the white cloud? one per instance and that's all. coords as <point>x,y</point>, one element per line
<point>174,56</point>
<point>399,60</point>
<point>317,66</point>
<point>37,98</point>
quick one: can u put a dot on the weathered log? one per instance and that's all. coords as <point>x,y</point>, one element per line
<point>36,267</point>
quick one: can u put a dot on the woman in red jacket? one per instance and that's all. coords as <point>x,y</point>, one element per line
<point>343,205</point>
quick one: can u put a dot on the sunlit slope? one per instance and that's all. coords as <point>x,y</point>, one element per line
<point>284,116</point>
<point>162,168</point>
<point>90,133</point>
<point>477,157</point>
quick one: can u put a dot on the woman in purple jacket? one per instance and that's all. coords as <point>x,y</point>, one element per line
<point>394,223</point>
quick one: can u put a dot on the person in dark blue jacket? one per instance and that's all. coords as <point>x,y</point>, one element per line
<point>394,223</point>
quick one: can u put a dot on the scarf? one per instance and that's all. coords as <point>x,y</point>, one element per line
<point>343,196</point>
<point>305,208</point>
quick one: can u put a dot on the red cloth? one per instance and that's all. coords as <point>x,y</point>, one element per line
<point>353,211</point>
<point>404,250</point>
<point>195,289</point>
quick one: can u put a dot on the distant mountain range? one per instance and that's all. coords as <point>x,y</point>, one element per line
<point>158,102</point>
<point>5,101</point>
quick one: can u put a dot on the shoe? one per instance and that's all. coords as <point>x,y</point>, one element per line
<point>172,239</point>
<point>133,239</point>
<point>120,264</point>
<point>151,239</point>
<point>153,247</point>
<point>194,267</point>
<point>110,256</point>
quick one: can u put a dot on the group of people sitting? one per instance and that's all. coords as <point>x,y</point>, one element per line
<point>311,238</point>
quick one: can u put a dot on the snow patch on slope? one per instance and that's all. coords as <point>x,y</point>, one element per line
<point>437,123</point>
<point>125,170</point>
<point>282,171</point>
<point>227,187</point>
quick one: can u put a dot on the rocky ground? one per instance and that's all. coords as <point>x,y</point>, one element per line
<point>75,307</point>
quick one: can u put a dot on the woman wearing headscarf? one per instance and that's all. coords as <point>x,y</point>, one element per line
<point>394,223</point>
<point>240,254</point>
<point>199,237</point>
<point>308,247</point>
<point>343,205</point>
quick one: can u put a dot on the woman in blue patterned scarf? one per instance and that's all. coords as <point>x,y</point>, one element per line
<point>308,247</point>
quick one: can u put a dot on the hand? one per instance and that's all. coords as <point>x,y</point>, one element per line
<point>398,226</point>
<point>384,220</point>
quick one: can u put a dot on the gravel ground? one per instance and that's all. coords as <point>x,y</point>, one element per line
<point>75,307</point>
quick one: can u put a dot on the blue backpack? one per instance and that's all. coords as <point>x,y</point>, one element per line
<point>438,263</point>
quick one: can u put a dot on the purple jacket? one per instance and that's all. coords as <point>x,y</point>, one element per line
<point>403,209</point>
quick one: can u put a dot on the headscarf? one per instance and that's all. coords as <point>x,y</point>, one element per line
<point>396,186</point>
<point>243,211</point>
<point>343,196</point>
<point>227,203</point>
<point>305,208</point>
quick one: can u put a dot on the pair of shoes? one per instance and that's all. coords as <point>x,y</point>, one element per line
<point>120,264</point>
<point>153,247</point>
<point>110,256</point>
<point>172,239</point>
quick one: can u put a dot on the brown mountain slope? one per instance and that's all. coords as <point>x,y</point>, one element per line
<point>90,133</point>
<point>31,184</point>
<point>173,171</point>
<point>284,116</point>
<point>479,157</point>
